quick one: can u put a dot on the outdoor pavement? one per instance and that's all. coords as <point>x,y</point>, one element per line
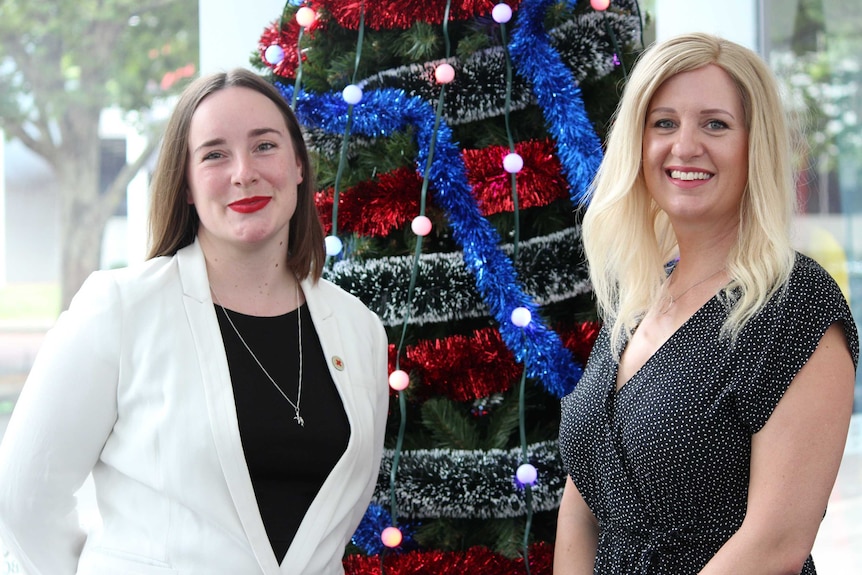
<point>837,551</point>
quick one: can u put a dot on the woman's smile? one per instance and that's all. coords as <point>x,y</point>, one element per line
<point>250,205</point>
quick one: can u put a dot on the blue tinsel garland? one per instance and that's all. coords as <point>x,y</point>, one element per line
<point>558,95</point>
<point>385,111</point>
<point>375,520</point>
<point>381,113</point>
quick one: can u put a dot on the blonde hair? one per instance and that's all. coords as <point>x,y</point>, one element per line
<point>628,239</point>
<point>174,222</point>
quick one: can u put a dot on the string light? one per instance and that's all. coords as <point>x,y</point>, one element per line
<point>352,94</point>
<point>391,537</point>
<point>274,54</point>
<point>399,380</point>
<point>444,73</point>
<point>333,245</point>
<point>521,316</point>
<point>501,13</point>
<point>527,474</point>
<point>513,163</point>
<point>421,225</point>
<point>305,16</point>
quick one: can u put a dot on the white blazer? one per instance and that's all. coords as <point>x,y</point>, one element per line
<point>132,384</point>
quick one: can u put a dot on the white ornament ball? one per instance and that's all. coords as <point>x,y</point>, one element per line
<point>527,474</point>
<point>513,163</point>
<point>333,245</point>
<point>501,13</point>
<point>274,54</point>
<point>521,316</point>
<point>352,94</point>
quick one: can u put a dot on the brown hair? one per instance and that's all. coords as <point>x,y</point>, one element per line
<point>173,222</point>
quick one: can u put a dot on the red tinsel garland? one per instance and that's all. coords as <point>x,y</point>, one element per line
<point>539,182</point>
<point>579,338</point>
<point>468,367</point>
<point>402,14</point>
<point>286,36</point>
<point>463,368</point>
<point>475,561</point>
<point>376,208</point>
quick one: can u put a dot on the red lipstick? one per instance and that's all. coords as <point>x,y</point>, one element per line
<point>250,205</point>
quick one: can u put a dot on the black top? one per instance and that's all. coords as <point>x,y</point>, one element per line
<point>287,463</point>
<point>664,463</point>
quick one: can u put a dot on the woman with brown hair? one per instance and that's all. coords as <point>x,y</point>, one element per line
<point>229,403</point>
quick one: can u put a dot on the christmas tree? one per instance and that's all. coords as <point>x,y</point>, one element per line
<point>454,142</point>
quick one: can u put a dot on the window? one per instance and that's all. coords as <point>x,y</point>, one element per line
<point>815,48</point>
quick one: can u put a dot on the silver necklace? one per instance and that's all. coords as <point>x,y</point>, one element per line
<point>297,417</point>
<point>666,308</point>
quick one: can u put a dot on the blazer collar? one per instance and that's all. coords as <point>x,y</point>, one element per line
<point>193,272</point>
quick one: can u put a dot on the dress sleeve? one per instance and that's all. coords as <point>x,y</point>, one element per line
<point>64,414</point>
<point>778,342</point>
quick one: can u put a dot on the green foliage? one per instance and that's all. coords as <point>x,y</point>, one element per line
<point>503,535</point>
<point>449,426</point>
<point>419,43</point>
<point>60,56</point>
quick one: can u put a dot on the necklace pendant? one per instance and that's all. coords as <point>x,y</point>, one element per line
<point>298,419</point>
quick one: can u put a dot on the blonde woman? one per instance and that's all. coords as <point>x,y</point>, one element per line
<point>707,430</point>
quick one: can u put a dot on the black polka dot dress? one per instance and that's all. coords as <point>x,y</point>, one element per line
<point>664,462</point>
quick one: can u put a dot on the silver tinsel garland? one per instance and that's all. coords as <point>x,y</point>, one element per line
<point>480,484</point>
<point>550,267</point>
<point>479,89</point>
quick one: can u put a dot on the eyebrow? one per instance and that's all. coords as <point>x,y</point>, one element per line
<point>707,112</point>
<point>254,133</point>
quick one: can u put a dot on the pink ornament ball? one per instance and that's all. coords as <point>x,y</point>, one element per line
<point>333,245</point>
<point>501,13</point>
<point>513,163</point>
<point>444,73</point>
<point>527,474</point>
<point>305,16</point>
<point>274,54</point>
<point>352,94</point>
<point>521,316</point>
<point>600,4</point>
<point>399,380</point>
<point>391,537</point>
<point>421,226</point>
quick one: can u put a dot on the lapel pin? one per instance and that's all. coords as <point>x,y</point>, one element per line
<point>338,363</point>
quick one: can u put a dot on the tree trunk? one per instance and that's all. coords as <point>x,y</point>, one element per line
<point>85,210</point>
<point>80,248</point>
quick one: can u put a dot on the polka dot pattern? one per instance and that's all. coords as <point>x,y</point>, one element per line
<point>664,462</point>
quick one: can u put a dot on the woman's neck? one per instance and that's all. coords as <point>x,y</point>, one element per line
<point>253,282</point>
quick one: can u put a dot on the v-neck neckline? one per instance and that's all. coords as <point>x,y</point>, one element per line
<point>617,392</point>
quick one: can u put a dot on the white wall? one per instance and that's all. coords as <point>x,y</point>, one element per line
<point>736,20</point>
<point>230,30</point>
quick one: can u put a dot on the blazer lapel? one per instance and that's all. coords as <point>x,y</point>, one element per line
<point>316,525</point>
<point>221,407</point>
